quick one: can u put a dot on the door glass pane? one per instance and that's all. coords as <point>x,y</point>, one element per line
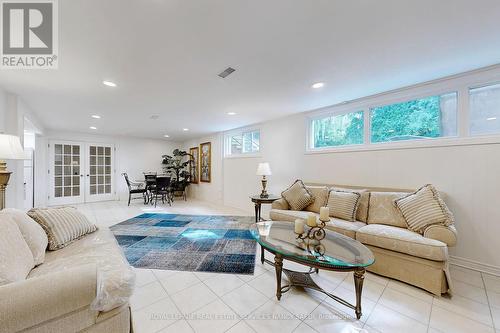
<point>66,170</point>
<point>100,170</point>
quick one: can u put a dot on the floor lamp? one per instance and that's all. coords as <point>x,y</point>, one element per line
<point>10,149</point>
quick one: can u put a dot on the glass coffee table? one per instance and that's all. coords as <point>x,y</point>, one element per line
<point>335,252</point>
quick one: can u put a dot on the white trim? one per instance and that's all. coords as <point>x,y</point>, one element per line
<point>475,265</point>
<point>410,144</point>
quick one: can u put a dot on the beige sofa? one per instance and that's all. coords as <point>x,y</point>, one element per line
<point>65,292</point>
<point>420,260</point>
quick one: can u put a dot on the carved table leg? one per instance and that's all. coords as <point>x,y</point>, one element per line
<point>278,265</point>
<point>358,285</point>
<point>257,209</point>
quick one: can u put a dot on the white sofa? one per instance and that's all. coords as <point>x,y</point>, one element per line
<point>83,287</point>
<point>417,259</point>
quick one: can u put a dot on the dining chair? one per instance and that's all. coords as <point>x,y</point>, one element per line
<point>135,188</point>
<point>162,189</point>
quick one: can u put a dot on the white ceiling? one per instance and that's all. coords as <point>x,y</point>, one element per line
<point>165,56</point>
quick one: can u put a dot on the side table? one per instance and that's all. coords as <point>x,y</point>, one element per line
<point>258,201</point>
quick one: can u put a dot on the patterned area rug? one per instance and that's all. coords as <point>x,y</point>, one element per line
<point>203,243</point>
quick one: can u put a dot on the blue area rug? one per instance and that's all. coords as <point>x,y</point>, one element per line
<point>198,243</point>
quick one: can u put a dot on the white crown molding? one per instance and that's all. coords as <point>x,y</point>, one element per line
<point>475,265</point>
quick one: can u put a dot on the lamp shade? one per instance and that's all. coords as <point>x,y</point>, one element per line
<point>10,148</point>
<point>263,169</point>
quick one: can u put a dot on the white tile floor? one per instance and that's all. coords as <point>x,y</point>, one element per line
<point>170,301</point>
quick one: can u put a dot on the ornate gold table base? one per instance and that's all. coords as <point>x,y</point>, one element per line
<point>304,280</point>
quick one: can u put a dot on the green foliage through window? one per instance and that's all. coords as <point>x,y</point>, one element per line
<point>429,117</point>
<point>341,130</point>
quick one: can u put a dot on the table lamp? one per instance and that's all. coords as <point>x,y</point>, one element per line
<point>10,149</point>
<point>264,170</point>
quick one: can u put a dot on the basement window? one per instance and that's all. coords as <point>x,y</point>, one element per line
<point>485,109</point>
<point>338,130</point>
<point>242,143</point>
<point>424,118</point>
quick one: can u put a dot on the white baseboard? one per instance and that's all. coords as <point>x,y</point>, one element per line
<point>475,265</point>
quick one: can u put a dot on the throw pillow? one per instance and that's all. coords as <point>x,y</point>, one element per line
<point>343,204</point>
<point>32,232</point>
<point>320,194</point>
<point>297,196</point>
<point>364,202</point>
<point>62,225</point>
<point>423,208</point>
<point>16,259</point>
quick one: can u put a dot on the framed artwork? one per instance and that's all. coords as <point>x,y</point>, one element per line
<point>205,162</point>
<point>195,164</point>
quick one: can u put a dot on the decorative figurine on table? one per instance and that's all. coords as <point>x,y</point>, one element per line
<point>311,240</point>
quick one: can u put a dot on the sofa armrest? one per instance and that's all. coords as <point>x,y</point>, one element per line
<point>445,234</point>
<point>33,301</point>
<point>280,204</point>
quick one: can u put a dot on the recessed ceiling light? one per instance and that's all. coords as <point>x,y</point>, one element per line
<point>491,118</point>
<point>185,129</point>
<point>166,136</point>
<point>109,83</point>
<point>231,113</point>
<point>318,85</point>
<point>95,116</point>
<point>93,127</point>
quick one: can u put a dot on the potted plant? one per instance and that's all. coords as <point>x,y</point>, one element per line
<point>177,165</point>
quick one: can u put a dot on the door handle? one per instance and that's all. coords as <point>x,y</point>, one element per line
<point>81,175</point>
<point>88,175</point>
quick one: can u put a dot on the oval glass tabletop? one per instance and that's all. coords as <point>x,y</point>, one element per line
<point>336,250</point>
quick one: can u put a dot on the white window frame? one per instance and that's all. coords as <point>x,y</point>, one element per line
<point>459,83</point>
<point>241,131</point>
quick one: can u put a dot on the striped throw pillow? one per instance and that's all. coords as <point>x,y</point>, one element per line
<point>297,196</point>
<point>423,208</point>
<point>62,225</point>
<point>343,204</point>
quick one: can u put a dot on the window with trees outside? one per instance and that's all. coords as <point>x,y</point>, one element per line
<point>424,118</point>
<point>338,130</point>
<point>240,143</point>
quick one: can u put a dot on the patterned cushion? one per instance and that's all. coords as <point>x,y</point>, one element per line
<point>32,233</point>
<point>402,240</point>
<point>320,194</point>
<point>297,196</point>
<point>383,211</point>
<point>343,204</point>
<point>364,202</point>
<point>423,208</point>
<point>344,227</point>
<point>16,259</point>
<point>62,225</point>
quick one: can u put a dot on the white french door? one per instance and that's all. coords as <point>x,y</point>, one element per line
<point>80,172</point>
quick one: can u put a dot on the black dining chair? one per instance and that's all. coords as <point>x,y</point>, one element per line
<point>135,188</point>
<point>150,179</point>
<point>162,190</point>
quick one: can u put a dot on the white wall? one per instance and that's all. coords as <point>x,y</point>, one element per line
<point>466,173</point>
<point>209,191</point>
<point>133,156</point>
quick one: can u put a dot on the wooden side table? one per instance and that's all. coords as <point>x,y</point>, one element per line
<point>258,201</point>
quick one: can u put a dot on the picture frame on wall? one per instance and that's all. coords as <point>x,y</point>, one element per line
<point>194,167</point>
<point>205,162</point>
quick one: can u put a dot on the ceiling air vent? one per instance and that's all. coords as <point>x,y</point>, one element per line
<point>225,73</point>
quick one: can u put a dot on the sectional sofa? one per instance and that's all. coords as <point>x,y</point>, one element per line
<point>83,287</point>
<point>418,259</point>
